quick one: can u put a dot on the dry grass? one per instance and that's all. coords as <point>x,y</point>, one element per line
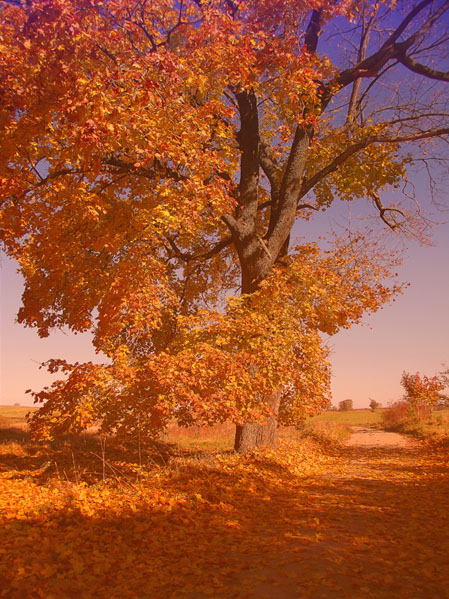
<point>363,417</point>
<point>14,415</point>
<point>422,423</point>
<point>219,437</point>
<point>332,426</point>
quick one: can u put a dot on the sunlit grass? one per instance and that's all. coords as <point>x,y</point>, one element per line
<point>433,425</point>
<point>14,415</point>
<point>331,425</point>
<point>364,417</point>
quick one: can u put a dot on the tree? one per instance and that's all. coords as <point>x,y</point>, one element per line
<point>345,405</point>
<point>374,405</point>
<point>156,155</point>
<point>422,391</point>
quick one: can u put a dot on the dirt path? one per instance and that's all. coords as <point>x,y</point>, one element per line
<point>371,437</point>
<point>374,525</point>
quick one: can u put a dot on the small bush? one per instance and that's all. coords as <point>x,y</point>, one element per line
<point>394,416</point>
<point>414,420</point>
<point>402,413</point>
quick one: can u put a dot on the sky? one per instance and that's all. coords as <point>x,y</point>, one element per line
<point>411,333</point>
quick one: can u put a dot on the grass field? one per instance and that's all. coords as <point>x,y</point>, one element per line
<point>363,417</point>
<point>333,425</point>
<point>14,415</point>
<point>351,417</point>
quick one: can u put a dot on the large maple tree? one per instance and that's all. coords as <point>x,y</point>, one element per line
<point>155,156</point>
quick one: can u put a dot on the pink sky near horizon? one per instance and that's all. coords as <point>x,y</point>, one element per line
<point>411,334</point>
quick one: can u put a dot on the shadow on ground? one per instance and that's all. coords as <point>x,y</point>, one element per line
<point>368,524</point>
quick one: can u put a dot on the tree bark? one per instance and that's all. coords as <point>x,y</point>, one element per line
<point>252,435</point>
<point>257,252</point>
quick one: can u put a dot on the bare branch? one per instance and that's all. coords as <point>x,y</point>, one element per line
<point>406,22</point>
<point>353,102</point>
<point>422,69</point>
<point>384,210</point>
<point>306,207</point>
<point>391,49</point>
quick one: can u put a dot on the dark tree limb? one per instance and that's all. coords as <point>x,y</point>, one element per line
<point>157,170</point>
<point>366,31</point>
<point>384,210</point>
<point>422,69</point>
<point>313,30</point>
<point>248,140</point>
<point>284,217</point>
<point>390,50</point>
<point>189,257</point>
<point>273,173</point>
<point>269,165</point>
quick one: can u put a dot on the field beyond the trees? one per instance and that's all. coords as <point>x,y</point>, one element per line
<point>190,519</point>
<point>332,425</point>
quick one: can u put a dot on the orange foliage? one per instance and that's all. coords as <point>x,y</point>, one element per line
<point>422,391</point>
<point>130,205</point>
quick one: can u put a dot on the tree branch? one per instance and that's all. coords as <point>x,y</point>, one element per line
<point>406,22</point>
<point>282,219</point>
<point>157,170</point>
<point>269,165</point>
<point>231,223</point>
<point>189,257</point>
<point>384,209</point>
<point>391,49</point>
<point>248,140</point>
<point>273,173</point>
<point>364,39</point>
<point>313,30</point>
<point>308,184</point>
<point>422,69</point>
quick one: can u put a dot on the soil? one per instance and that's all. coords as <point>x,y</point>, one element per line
<point>370,437</point>
<point>376,526</point>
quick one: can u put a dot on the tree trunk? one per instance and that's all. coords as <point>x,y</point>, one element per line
<point>253,435</point>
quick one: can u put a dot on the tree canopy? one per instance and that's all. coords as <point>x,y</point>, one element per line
<point>155,157</point>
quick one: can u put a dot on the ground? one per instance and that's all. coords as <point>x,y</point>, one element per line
<point>363,436</point>
<point>364,519</point>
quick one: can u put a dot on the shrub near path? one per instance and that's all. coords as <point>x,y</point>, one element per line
<point>308,521</point>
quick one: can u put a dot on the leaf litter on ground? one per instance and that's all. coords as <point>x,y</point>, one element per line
<point>308,520</point>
